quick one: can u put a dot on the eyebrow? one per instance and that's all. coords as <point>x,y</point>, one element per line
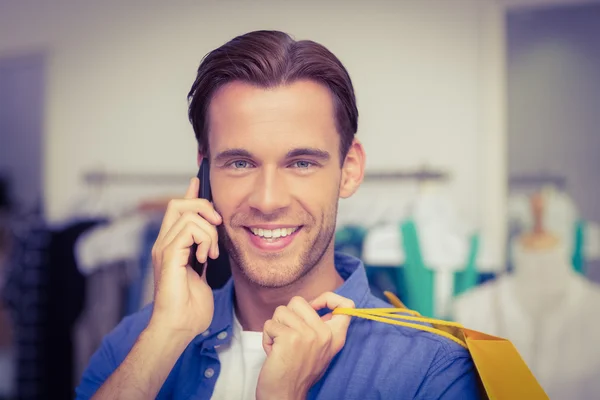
<point>310,152</point>
<point>299,152</point>
<point>232,153</point>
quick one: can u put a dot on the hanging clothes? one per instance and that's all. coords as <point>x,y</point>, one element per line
<point>578,259</point>
<point>419,279</point>
<point>417,286</point>
<point>26,295</point>
<point>45,293</point>
<point>469,277</point>
<point>103,308</point>
<point>549,312</point>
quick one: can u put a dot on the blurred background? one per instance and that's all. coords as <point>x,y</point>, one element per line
<point>480,205</point>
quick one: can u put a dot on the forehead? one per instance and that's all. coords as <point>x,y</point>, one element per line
<point>272,120</point>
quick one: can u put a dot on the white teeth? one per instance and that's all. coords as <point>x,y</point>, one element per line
<point>273,233</point>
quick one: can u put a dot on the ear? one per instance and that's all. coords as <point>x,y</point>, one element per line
<point>353,170</point>
<point>200,157</point>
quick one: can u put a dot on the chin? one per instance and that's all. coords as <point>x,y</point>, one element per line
<point>271,273</point>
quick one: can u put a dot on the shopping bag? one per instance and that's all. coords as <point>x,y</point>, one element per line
<point>502,372</point>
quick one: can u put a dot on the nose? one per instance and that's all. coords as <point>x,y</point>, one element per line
<point>270,193</point>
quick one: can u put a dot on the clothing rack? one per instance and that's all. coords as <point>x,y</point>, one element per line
<point>145,178</point>
<point>130,178</point>
<point>538,180</point>
<point>419,175</point>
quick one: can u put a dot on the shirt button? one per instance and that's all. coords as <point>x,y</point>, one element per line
<point>222,335</point>
<point>209,373</point>
<point>206,333</point>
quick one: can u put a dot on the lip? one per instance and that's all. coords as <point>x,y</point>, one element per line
<point>276,245</point>
<point>272,226</point>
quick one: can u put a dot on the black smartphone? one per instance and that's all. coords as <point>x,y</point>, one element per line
<point>217,271</point>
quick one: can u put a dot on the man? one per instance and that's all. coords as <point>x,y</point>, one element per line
<point>276,118</point>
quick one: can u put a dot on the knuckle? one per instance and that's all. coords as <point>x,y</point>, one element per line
<point>280,310</point>
<point>172,204</point>
<point>268,324</point>
<point>295,338</point>
<point>203,203</point>
<point>190,226</point>
<point>310,336</point>
<point>296,300</point>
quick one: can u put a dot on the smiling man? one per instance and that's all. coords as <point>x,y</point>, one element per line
<point>276,118</point>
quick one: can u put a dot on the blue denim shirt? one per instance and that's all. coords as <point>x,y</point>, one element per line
<point>378,361</point>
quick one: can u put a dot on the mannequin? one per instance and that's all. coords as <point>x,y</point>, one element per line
<point>542,266</point>
<point>547,310</point>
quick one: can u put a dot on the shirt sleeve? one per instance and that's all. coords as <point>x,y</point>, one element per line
<point>113,349</point>
<point>452,376</point>
<point>101,366</point>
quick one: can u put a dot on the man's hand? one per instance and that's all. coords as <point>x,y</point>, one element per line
<point>183,301</point>
<point>300,345</point>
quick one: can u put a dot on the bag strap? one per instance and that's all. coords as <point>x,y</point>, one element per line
<point>392,316</point>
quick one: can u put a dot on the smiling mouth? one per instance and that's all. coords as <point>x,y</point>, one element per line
<point>272,235</point>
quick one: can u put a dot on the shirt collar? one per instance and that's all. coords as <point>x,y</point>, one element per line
<point>355,287</point>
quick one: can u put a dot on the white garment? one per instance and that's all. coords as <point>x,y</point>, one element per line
<point>552,316</point>
<point>121,240</point>
<point>241,362</point>
<point>444,240</point>
<point>383,246</point>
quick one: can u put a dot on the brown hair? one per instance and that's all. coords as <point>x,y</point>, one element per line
<point>268,59</point>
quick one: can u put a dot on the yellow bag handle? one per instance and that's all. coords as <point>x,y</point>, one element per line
<point>391,316</point>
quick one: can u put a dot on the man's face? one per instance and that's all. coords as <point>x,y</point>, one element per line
<point>275,177</point>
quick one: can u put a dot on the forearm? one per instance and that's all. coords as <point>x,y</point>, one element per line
<point>146,367</point>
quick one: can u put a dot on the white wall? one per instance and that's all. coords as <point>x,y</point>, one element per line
<point>428,76</point>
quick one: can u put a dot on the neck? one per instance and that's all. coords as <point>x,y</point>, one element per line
<point>254,304</point>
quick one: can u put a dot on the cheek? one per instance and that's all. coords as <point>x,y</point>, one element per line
<point>227,198</point>
<point>316,194</point>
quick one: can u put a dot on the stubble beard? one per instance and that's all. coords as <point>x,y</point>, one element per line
<point>283,268</point>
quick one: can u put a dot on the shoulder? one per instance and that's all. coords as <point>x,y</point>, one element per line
<point>114,348</point>
<point>125,334</point>
<point>431,366</point>
<point>430,343</point>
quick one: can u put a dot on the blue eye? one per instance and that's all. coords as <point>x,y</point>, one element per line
<point>303,164</point>
<point>240,164</point>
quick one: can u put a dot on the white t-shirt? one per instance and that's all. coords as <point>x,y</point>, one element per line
<point>241,362</point>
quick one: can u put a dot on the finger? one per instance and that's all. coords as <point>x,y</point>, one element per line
<point>171,213</point>
<point>271,331</point>
<point>331,301</point>
<point>303,309</point>
<point>202,252</point>
<point>287,317</point>
<point>210,229</point>
<point>338,323</point>
<point>179,249</point>
<point>178,207</point>
<point>192,190</point>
